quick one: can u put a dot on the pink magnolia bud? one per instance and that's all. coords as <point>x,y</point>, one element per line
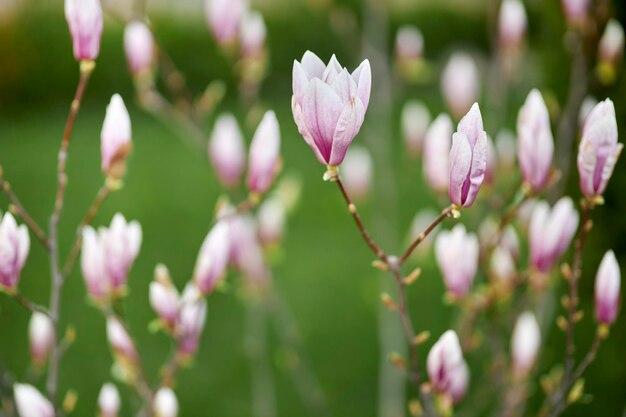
<point>246,253</point>
<point>163,296</point>
<point>505,148</point>
<point>460,83</point>
<point>253,33</point>
<point>598,150</point>
<point>525,343</point>
<point>535,143</point>
<point>165,403</point>
<point>115,138</point>
<point>457,255</point>
<point>30,403</point>
<point>227,150</point>
<point>357,172</point>
<point>502,265</point>
<point>224,18</point>
<point>271,220</point>
<point>139,47</point>
<point>14,247</point>
<point>191,320</point>
<point>575,10</point>
<point>84,17</point>
<point>41,337</point>
<point>607,289</point>
<point>512,23</point>
<point>109,401</point>
<point>213,258</point>
<point>437,143</point>
<point>329,105</point>
<point>415,120</point>
<point>409,43</point>
<point>120,340</point>
<point>446,367</point>
<point>611,47</point>
<point>263,163</point>
<point>551,232</point>
<point>468,159</point>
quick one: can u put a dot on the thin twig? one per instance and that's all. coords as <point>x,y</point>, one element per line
<point>442,216</point>
<point>21,211</point>
<point>28,304</point>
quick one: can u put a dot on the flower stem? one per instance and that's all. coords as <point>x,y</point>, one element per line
<point>19,209</point>
<point>444,213</point>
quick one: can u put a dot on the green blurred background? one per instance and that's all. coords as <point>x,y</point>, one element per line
<point>324,273</point>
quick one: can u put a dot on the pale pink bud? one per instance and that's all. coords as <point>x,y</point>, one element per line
<point>213,258</point>
<point>41,337</point>
<point>329,105</point>
<point>253,34</point>
<point>468,159</point>
<point>264,157</point>
<point>457,255</point>
<point>525,343</point>
<point>415,119</point>
<point>357,173</point>
<point>502,265</point>
<point>164,296</point>
<point>534,141</point>
<point>510,241</point>
<point>30,403</point>
<point>120,340</point>
<point>115,138</point>
<point>460,83</point>
<point>165,403</point>
<point>611,47</point>
<point>512,23</point>
<point>551,232</point>
<point>271,220</point>
<point>420,222</point>
<point>14,247</point>
<point>575,10</point>
<point>607,289</point>
<point>437,143</point>
<point>224,18</point>
<point>505,148</point>
<point>92,265</point>
<point>193,309</point>
<point>409,43</point>
<point>227,150</point>
<point>139,47</point>
<point>491,161</point>
<point>446,367</point>
<point>246,253</point>
<point>598,150</point>
<point>109,401</point>
<point>587,106</point>
<point>84,17</point>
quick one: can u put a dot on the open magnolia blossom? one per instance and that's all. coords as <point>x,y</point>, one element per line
<point>329,104</point>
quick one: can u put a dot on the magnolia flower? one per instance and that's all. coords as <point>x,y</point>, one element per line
<point>14,247</point>
<point>109,401</point>
<point>550,232</point>
<point>446,367</point>
<point>437,143</point>
<point>246,252</point>
<point>512,23</point>
<point>409,43</point>
<point>253,34</point>
<point>271,219</point>
<point>598,150</point>
<point>611,47</point>
<point>165,403</point>
<point>115,138</point>
<point>224,18</point>
<point>357,172</point>
<point>607,289</point>
<point>120,340</point>
<point>164,296</point>
<point>329,105</point>
<point>139,47</point>
<point>193,309</point>
<point>468,159</point>
<point>535,143</point>
<point>457,255</point>
<point>505,148</point>
<point>575,10</point>
<point>227,150</point>
<point>108,255</point>
<point>525,343</point>
<point>41,337</point>
<point>30,403</point>
<point>460,83</point>
<point>264,154</point>
<point>415,119</point>
<point>213,258</point>
<point>84,17</point>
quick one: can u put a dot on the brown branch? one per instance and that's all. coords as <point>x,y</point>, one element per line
<point>19,209</point>
<point>442,216</point>
<point>28,304</point>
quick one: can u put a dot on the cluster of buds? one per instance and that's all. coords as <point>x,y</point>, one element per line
<point>447,370</point>
<point>14,246</point>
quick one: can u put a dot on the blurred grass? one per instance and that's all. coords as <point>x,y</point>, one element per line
<point>325,276</point>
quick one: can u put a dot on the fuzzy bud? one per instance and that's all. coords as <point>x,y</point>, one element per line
<point>460,83</point>
<point>139,47</point>
<point>109,401</point>
<point>14,248</point>
<point>263,163</point>
<point>437,143</point>
<point>164,296</point>
<point>357,173</point>
<point>415,119</point>
<point>41,337</point>
<point>446,367</point>
<point>227,150</point>
<point>115,138</point>
<point>213,258</point>
<point>165,403</point>
<point>30,403</point>
<point>84,17</point>
<point>457,255</point>
<point>224,19</point>
<point>607,291</point>
<point>512,23</point>
<point>525,343</point>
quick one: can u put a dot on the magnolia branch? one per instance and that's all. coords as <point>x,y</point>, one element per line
<point>19,209</point>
